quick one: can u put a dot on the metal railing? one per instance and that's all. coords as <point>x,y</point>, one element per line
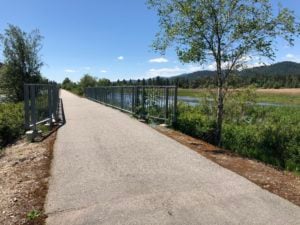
<point>156,102</point>
<point>41,104</point>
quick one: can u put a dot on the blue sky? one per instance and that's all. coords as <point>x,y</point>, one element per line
<point>107,38</point>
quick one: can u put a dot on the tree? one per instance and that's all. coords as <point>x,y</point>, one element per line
<point>21,61</point>
<point>87,81</point>
<point>223,31</point>
<point>104,82</point>
<point>67,84</point>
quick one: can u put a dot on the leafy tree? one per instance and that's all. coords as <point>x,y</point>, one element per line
<point>68,84</point>
<point>87,81</point>
<point>104,82</point>
<point>22,62</point>
<point>223,31</point>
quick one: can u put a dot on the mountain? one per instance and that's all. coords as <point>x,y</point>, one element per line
<point>282,74</point>
<point>277,69</point>
<point>194,75</point>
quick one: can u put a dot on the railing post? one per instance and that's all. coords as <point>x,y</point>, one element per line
<point>26,106</point>
<point>55,102</point>
<point>143,101</point>
<point>50,104</point>
<point>166,103</point>
<point>136,99</point>
<point>122,98</point>
<point>132,99</point>
<point>175,106</point>
<point>33,108</point>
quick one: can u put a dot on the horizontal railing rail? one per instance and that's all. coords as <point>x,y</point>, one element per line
<point>41,103</point>
<point>156,102</point>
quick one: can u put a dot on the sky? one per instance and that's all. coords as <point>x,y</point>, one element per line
<point>107,38</point>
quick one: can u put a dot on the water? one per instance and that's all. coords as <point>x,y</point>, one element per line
<point>193,101</point>
<point>2,98</point>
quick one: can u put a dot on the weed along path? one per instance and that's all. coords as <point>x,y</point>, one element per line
<point>108,168</point>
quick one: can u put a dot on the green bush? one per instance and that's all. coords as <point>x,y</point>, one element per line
<point>276,144</point>
<point>269,134</point>
<point>272,136</point>
<point>192,121</point>
<point>11,122</point>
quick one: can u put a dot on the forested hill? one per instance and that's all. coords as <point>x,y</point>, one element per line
<point>283,74</point>
<point>277,69</point>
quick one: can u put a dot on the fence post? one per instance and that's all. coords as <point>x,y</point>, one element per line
<point>122,97</point>
<point>55,101</point>
<point>143,101</point>
<point>26,106</point>
<point>132,99</point>
<point>137,95</point>
<point>50,104</point>
<point>175,106</point>
<point>166,103</point>
<point>33,108</point>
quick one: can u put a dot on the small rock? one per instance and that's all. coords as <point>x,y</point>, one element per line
<point>22,159</point>
<point>15,199</point>
<point>14,164</point>
<point>3,212</point>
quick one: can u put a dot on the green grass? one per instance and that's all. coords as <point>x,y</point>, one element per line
<point>269,134</point>
<point>279,98</point>
<point>289,99</point>
<point>192,92</point>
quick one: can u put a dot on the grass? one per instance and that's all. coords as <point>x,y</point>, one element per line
<point>269,134</point>
<point>33,214</point>
<point>275,96</point>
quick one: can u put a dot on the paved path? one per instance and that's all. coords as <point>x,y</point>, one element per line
<point>109,168</point>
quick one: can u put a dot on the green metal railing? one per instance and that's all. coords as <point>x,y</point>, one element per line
<point>156,102</point>
<point>41,103</point>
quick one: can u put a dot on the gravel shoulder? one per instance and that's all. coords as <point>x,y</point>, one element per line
<point>24,173</point>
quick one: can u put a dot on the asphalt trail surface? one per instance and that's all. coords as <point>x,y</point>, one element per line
<point>109,168</point>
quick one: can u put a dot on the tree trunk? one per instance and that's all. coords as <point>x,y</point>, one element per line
<point>219,121</point>
<point>220,108</point>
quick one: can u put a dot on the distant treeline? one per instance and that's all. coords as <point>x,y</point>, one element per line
<point>236,81</point>
<point>279,75</point>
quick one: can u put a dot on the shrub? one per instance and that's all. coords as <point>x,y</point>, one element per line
<point>11,122</point>
<point>269,134</point>
<point>274,139</point>
<point>192,121</point>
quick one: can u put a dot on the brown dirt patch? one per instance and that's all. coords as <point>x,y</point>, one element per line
<point>282,183</point>
<point>24,173</point>
<point>293,91</point>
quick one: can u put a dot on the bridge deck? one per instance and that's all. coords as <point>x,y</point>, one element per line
<point>109,168</point>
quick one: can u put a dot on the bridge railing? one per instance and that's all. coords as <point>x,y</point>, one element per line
<point>41,104</point>
<point>156,102</point>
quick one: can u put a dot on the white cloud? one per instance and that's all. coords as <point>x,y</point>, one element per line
<point>211,66</point>
<point>87,68</point>
<point>290,56</point>
<point>103,71</point>
<point>159,60</point>
<point>120,58</point>
<point>172,71</point>
<point>165,72</point>
<point>70,71</point>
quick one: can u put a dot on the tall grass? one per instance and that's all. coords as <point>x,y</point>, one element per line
<point>269,134</point>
